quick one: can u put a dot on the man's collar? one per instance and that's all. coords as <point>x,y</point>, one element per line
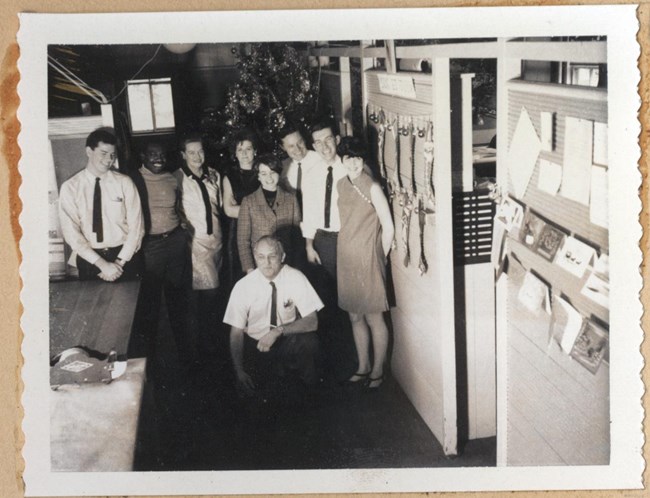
<point>92,175</point>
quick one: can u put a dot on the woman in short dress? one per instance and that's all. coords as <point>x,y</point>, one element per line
<point>364,242</point>
<point>239,180</point>
<point>270,210</point>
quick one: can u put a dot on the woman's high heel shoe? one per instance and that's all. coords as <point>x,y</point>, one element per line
<point>374,384</point>
<point>358,379</point>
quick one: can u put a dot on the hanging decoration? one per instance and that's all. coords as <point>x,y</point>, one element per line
<point>275,88</point>
<point>414,198</point>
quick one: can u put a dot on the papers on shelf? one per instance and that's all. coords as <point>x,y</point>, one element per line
<point>512,214</point>
<point>534,294</point>
<point>550,241</point>
<point>596,287</point>
<point>575,256</point>
<point>591,346</point>
<point>565,324</point>
<point>531,230</point>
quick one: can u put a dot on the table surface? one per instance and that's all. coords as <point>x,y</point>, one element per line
<point>93,427</point>
<point>94,314</point>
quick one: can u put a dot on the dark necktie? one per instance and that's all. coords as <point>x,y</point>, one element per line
<point>328,196</point>
<point>274,304</point>
<point>204,195</point>
<point>299,189</point>
<point>98,227</point>
<point>299,178</point>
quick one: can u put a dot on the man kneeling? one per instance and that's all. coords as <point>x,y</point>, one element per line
<point>272,314</point>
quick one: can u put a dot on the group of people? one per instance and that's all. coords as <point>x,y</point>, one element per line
<point>302,258</point>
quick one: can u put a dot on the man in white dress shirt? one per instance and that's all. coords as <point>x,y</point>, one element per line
<point>272,314</point>
<point>320,227</point>
<point>101,215</point>
<point>301,161</point>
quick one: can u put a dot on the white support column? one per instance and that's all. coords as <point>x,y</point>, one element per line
<point>345,126</point>
<point>507,69</point>
<point>391,59</point>
<point>468,159</point>
<point>366,63</point>
<point>107,115</point>
<point>443,258</point>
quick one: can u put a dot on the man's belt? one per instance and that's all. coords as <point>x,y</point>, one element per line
<point>327,233</point>
<point>161,236</point>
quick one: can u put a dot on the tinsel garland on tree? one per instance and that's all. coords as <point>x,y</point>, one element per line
<point>276,87</point>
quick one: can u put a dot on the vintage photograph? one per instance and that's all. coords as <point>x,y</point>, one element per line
<point>269,252</point>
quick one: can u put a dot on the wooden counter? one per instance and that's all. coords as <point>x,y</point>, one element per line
<point>93,427</point>
<point>95,314</point>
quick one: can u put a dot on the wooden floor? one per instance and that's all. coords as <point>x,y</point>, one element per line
<point>199,423</point>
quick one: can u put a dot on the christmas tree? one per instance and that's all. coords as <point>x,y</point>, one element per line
<point>276,87</point>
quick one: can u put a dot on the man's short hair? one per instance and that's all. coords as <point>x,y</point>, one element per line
<point>190,138</point>
<point>272,241</point>
<point>288,130</point>
<point>100,135</point>
<point>323,124</point>
<point>152,143</point>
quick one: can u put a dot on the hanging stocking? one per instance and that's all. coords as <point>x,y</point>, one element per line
<point>395,131</point>
<point>381,143</point>
<point>423,266</point>
<point>407,208</point>
<point>428,165</point>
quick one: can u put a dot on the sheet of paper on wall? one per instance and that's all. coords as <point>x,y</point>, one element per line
<point>566,323</point>
<point>550,176</point>
<point>534,294</point>
<point>575,256</point>
<point>599,197</point>
<point>546,121</point>
<point>600,143</point>
<point>596,287</point>
<point>523,153</point>
<point>591,345</point>
<point>576,170</point>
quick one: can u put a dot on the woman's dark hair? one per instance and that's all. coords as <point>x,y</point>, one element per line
<point>352,147</point>
<point>270,160</point>
<point>239,137</point>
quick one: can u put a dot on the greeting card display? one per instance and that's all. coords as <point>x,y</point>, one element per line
<point>534,294</point>
<point>590,348</point>
<point>566,324</point>
<point>531,231</point>
<point>575,256</point>
<point>550,241</point>
<point>596,287</point>
<point>511,213</point>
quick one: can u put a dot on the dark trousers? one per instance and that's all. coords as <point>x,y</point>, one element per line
<point>132,268</point>
<point>294,352</point>
<point>334,327</point>
<point>168,272</point>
